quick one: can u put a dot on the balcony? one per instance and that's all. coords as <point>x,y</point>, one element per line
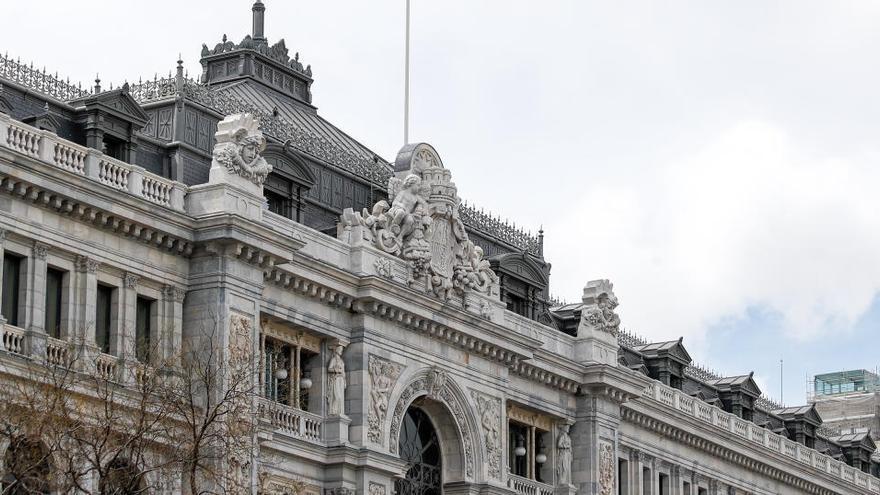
<point>79,160</point>
<point>292,422</point>
<point>525,486</point>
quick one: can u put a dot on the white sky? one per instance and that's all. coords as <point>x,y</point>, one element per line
<point>708,157</point>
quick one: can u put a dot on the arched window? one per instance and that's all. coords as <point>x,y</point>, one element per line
<point>420,449</point>
<point>28,468</point>
<point>288,183</point>
<point>122,478</point>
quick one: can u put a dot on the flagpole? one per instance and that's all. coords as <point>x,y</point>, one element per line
<point>406,83</point>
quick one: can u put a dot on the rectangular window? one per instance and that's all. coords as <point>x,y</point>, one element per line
<point>11,286</point>
<point>278,371</point>
<point>685,488</point>
<point>54,290</point>
<point>702,491</point>
<point>517,455</point>
<point>622,477</point>
<point>143,329</point>
<point>664,484</point>
<point>103,317</point>
<point>647,482</point>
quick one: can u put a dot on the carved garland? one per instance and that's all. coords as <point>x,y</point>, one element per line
<point>427,385</point>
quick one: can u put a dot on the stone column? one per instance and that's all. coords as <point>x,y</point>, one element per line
<point>123,342</point>
<point>635,473</point>
<point>35,300</point>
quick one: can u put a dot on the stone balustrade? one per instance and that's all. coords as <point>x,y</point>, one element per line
<point>87,162</point>
<point>57,352</point>
<point>294,422</point>
<point>11,339</point>
<point>525,486</point>
<point>107,367</point>
<point>760,437</point>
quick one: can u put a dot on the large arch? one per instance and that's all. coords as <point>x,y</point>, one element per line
<point>435,393</point>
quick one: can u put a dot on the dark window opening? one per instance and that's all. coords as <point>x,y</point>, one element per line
<point>646,481</point>
<point>11,287</point>
<point>279,204</point>
<point>622,477</point>
<point>420,449</point>
<point>114,148</point>
<point>517,436</point>
<point>517,305</point>
<point>143,329</point>
<point>664,484</point>
<point>277,371</point>
<point>27,468</point>
<point>54,291</point>
<point>103,315</point>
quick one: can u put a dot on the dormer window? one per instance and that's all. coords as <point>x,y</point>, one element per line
<point>114,148</point>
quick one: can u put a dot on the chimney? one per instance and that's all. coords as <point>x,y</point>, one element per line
<point>259,9</point>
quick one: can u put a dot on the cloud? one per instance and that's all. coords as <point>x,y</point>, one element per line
<point>751,218</point>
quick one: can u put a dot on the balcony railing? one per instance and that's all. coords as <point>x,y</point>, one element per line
<point>761,438</point>
<point>525,486</point>
<point>294,422</point>
<point>87,162</point>
<point>12,339</point>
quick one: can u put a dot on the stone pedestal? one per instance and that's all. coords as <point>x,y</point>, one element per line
<point>336,430</point>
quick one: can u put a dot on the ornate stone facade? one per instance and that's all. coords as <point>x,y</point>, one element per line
<point>400,348</point>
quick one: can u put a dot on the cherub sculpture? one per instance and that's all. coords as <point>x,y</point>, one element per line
<point>408,203</point>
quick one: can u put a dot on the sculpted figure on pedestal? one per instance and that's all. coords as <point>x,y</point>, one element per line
<point>600,303</point>
<point>336,379</point>
<point>563,457</point>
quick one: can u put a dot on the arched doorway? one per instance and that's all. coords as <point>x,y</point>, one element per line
<point>419,447</point>
<point>28,468</point>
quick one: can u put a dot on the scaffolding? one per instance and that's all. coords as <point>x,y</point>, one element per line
<point>847,401</point>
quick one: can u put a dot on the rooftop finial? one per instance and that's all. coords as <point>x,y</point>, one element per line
<point>258,13</point>
<point>97,83</point>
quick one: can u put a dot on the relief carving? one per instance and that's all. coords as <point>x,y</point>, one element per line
<point>384,268</point>
<point>490,422</point>
<point>383,374</point>
<point>376,489</point>
<point>606,468</point>
<point>436,382</point>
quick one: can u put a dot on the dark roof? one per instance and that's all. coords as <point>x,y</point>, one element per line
<point>861,439</point>
<point>744,383</point>
<point>807,413</point>
<point>315,127</point>
<point>671,348</point>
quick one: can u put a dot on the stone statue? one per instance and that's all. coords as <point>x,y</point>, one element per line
<point>408,204</point>
<point>336,382</point>
<point>600,302</point>
<point>422,226</point>
<point>238,148</point>
<point>563,457</point>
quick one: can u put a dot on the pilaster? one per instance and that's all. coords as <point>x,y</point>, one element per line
<point>35,300</point>
<point>85,297</point>
<point>124,342</point>
<point>2,254</point>
<point>171,329</point>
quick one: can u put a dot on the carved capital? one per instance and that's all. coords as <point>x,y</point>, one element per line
<point>174,294</point>
<point>86,265</point>
<point>131,281</point>
<point>2,235</point>
<point>40,251</point>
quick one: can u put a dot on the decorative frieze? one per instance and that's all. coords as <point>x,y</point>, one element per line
<point>489,409</point>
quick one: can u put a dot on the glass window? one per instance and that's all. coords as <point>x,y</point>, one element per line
<point>517,449</point>
<point>277,373</point>
<point>102,317</point>
<point>143,328</point>
<point>11,286</point>
<point>420,449</point>
<point>54,290</point>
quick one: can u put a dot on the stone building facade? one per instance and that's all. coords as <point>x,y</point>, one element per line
<point>403,342</point>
